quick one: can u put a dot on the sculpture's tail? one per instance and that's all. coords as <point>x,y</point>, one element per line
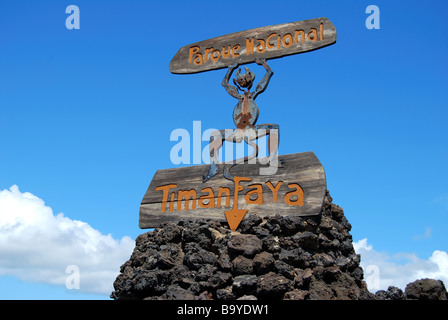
<point>254,154</point>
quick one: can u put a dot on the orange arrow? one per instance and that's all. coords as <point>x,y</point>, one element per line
<point>235,216</point>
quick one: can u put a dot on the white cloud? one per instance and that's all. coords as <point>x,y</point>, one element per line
<point>382,270</point>
<point>36,245</point>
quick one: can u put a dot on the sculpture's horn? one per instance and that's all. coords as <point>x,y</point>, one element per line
<point>238,72</point>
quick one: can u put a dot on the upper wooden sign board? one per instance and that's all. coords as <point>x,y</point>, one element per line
<point>246,46</point>
<point>179,193</point>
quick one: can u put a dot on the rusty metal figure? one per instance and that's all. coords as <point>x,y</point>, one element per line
<point>245,116</point>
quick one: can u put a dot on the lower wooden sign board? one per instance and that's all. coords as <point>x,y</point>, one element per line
<point>179,193</point>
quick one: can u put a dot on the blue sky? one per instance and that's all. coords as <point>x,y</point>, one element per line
<point>86,117</point>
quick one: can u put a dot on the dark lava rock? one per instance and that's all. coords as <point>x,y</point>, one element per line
<point>392,293</point>
<point>246,244</point>
<point>242,265</point>
<point>244,284</point>
<point>273,286</point>
<point>426,289</point>
<point>263,262</point>
<point>274,257</point>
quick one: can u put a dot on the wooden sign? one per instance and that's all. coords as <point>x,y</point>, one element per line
<point>174,194</point>
<point>246,46</point>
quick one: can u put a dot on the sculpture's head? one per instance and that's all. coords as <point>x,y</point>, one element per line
<point>244,80</point>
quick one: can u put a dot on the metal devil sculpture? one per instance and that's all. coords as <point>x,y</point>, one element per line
<point>245,116</point>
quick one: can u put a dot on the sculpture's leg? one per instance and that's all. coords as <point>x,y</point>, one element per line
<point>214,145</point>
<point>211,172</point>
<point>273,132</point>
<point>217,138</point>
<point>249,140</point>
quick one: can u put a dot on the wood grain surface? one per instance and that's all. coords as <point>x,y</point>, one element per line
<point>300,169</point>
<point>246,46</point>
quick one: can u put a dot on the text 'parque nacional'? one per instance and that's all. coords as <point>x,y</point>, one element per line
<point>246,46</point>
<point>274,41</point>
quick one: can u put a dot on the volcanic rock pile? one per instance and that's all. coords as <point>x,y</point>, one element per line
<point>423,289</point>
<point>289,258</point>
<point>266,258</point>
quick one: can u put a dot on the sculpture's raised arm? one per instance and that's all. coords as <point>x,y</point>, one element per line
<point>262,85</point>
<point>232,90</point>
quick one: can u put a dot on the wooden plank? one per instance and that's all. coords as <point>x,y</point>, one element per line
<point>302,171</point>
<point>244,47</point>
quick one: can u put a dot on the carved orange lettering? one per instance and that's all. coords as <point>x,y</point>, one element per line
<point>234,48</point>
<point>193,50</point>
<point>257,191</point>
<point>207,201</point>
<point>312,33</point>
<point>224,53</point>
<point>288,43</point>
<point>274,189</point>
<point>297,192</point>
<point>187,194</point>
<point>215,55</point>
<point>268,39</point>
<point>296,36</point>
<point>222,190</point>
<point>206,54</point>
<point>198,59</point>
<point>166,190</point>
<point>250,46</point>
<point>261,46</point>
